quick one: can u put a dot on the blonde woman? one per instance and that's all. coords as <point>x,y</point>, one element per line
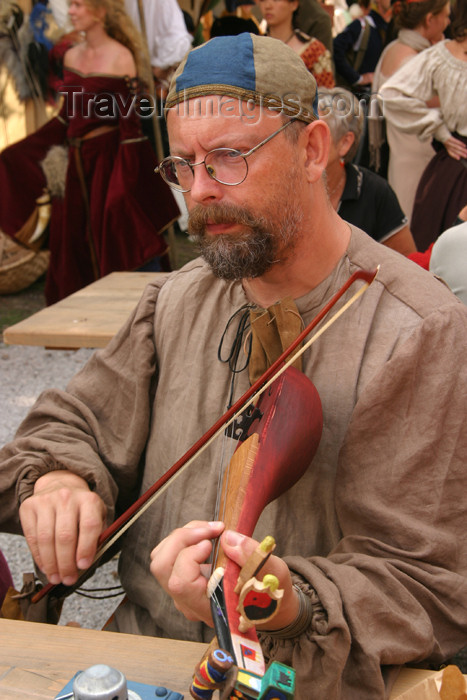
<point>114,208</point>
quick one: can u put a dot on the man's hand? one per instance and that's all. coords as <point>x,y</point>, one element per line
<point>178,564</point>
<point>62,522</point>
<point>238,548</point>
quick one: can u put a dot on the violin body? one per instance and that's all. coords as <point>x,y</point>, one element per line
<point>287,432</point>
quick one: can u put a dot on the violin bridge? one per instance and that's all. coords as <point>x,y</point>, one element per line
<point>214,580</point>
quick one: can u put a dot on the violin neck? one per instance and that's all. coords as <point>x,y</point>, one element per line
<point>234,487</point>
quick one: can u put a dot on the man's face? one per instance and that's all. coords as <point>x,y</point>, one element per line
<point>241,230</point>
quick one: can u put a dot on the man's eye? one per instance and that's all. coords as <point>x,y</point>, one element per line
<point>183,166</point>
<point>233,154</point>
<point>228,156</point>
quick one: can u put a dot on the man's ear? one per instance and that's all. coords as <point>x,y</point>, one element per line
<point>345,143</point>
<point>317,149</point>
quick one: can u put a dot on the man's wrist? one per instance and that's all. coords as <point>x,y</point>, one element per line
<point>302,621</point>
<point>59,477</point>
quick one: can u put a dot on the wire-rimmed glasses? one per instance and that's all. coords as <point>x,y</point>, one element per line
<point>225,165</point>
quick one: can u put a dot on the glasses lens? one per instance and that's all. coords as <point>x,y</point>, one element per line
<point>177,173</point>
<point>226,165</point>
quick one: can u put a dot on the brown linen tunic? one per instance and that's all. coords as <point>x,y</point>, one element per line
<point>377,524</point>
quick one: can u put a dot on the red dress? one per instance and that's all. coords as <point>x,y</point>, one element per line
<point>129,206</point>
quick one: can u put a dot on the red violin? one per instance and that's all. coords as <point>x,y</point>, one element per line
<point>276,451</point>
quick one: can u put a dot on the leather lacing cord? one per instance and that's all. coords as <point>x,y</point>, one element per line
<point>241,344</point>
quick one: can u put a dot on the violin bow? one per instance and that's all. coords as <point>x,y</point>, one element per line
<point>111,534</point>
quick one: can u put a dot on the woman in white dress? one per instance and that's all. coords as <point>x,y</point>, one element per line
<point>438,71</point>
<point>421,24</point>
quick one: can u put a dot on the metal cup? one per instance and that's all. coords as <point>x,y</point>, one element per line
<point>100,682</point>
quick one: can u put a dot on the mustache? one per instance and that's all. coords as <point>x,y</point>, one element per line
<point>200,216</point>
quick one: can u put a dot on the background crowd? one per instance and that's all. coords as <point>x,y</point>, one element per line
<point>74,202</point>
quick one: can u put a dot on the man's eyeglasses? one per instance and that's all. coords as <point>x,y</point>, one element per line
<point>225,165</point>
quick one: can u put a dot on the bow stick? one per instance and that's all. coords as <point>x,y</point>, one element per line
<point>111,534</point>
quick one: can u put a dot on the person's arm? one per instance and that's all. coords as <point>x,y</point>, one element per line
<point>402,241</point>
<point>169,37</point>
<point>406,97</point>
<point>318,60</point>
<point>462,216</point>
<point>343,42</point>
<point>123,62</point>
<point>76,457</point>
<point>378,212</point>
<point>392,227</point>
<point>394,590</point>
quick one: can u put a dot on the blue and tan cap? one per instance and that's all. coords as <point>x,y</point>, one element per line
<point>250,68</point>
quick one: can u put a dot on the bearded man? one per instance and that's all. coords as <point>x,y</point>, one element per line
<point>371,549</point>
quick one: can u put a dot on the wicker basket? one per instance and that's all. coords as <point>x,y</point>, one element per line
<point>19,266</point>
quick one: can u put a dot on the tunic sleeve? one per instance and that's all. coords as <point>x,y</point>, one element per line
<point>394,589</point>
<point>97,428</point>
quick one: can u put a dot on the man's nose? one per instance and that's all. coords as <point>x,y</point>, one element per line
<point>205,188</point>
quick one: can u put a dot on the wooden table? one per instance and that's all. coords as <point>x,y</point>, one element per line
<point>37,660</point>
<point>88,318</point>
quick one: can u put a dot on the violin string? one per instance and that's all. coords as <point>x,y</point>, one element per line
<point>223,473</point>
<point>218,605</point>
<point>242,315</point>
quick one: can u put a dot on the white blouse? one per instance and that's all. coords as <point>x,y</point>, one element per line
<point>434,71</point>
<point>167,35</point>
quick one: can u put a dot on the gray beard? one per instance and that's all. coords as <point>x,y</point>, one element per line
<point>250,253</point>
